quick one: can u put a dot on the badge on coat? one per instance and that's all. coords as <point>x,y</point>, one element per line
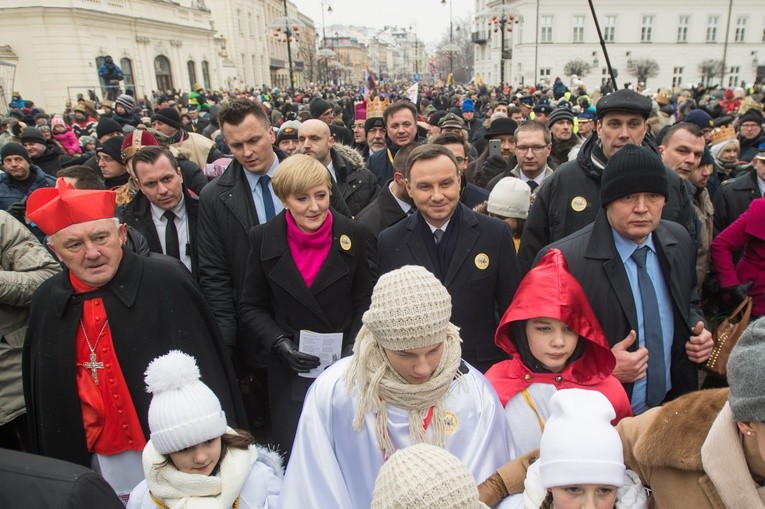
<point>451,423</point>
<point>345,242</point>
<point>579,203</point>
<point>482,261</point>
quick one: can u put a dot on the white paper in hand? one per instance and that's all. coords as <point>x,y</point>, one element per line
<point>327,347</point>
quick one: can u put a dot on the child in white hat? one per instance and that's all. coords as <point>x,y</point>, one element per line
<point>581,463</point>
<point>193,459</point>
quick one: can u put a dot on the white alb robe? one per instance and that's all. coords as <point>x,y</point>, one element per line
<point>333,465</point>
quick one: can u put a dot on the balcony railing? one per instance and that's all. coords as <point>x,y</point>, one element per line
<point>479,37</point>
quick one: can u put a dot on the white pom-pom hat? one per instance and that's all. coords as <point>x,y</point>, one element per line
<point>184,412</point>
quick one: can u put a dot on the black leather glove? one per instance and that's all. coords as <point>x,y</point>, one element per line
<point>737,293</point>
<point>18,210</point>
<point>294,359</point>
<point>495,165</point>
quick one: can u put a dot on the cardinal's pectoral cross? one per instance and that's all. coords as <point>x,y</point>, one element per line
<point>93,366</point>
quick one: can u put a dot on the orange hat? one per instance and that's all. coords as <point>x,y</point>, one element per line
<point>54,208</point>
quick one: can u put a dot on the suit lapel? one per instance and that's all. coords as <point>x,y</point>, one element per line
<point>238,199</point>
<point>466,239</point>
<point>416,244</point>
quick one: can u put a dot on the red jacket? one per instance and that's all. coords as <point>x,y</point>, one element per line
<point>747,232</point>
<point>550,291</point>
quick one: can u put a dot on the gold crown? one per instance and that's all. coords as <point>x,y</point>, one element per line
<point>376,106</point>
<point>724,133</point>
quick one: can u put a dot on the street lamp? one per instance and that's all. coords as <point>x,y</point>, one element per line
<point>328,3</point>
<point>500,24</point>
<point>451,37</point>
<point>288,29</point>
<point>325,55</point>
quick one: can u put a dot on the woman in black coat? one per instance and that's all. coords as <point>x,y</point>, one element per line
<point>307,270</point>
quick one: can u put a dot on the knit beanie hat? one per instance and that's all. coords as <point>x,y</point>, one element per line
<point>127,102</point>
<point>372,122</point>
<point>410,309</point>
<point>14,149</point>
<point>579,445</point>
<point>56,120</point>
<point>32,135</point>
<point>423,476</point>
<point>84,140</point>
<point>107,126</point>
<point>183,410</point>
<point>169,116</point>
<point>467,106</point>
<point>560,113</point>
<point>633,169</point>
<point>319,106</point>
<point>700,118</point>
<point>746,375</point>
<point>751,116</point>
<point>510,198</point>
<point>112,147</point>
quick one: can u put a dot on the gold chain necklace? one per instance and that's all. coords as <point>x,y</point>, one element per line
<point>93,365</point>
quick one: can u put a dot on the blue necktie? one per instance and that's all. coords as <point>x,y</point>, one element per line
<point>268,201</point>
<point>654,341</point>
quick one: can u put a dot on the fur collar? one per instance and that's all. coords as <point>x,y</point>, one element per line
<point>350,154</point>
<point>684,423</point>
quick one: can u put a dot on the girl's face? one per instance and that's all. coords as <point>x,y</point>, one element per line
<point>58,129</point>
<point>199,459</point>
<point>585,496</point>
<point>551,342</point>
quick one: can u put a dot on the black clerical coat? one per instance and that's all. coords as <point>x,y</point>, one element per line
<point>153,306</point>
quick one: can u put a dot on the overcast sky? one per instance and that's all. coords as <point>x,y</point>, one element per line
<point>430,16</point>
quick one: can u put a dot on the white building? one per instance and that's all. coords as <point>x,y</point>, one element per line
<point>678,36</point>
<point>57,46</point>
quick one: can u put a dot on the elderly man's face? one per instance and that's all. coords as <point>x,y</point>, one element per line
<point>376,139</point>
<point>289,146</point>
<point>636,215</point>
<point>91,250</point>
<point>562,130</point>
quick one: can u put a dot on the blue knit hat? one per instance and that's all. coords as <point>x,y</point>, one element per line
<point>467,106</point>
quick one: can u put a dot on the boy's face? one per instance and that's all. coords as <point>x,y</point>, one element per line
<point>416,365</point>
<point>551,342</point>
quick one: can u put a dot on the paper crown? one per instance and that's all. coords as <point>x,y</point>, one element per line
<point>725,133</point>
<point>54,208</point>
<point>376,106</point>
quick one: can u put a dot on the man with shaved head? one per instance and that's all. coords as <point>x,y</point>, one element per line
<point>352,181</point>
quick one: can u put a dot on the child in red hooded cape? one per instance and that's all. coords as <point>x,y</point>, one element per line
<point>554,342</point>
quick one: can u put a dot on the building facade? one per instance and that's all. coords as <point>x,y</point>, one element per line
<point>684,43</point>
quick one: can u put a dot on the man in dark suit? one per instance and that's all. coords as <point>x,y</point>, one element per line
<point>164,212</point>
<point>471,254</point>
<point>638,272</point>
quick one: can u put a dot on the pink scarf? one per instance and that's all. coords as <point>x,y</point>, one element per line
<point>309,250</point>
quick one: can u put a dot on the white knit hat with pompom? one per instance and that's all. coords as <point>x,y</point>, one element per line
<point>183,411</point>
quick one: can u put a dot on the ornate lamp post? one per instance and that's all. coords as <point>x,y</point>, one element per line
<point>501,24</point>
<point>287,29</point>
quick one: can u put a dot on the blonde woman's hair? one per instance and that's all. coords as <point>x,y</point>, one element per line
<point>297,174</point>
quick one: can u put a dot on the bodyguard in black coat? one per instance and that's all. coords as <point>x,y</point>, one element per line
<point>733,197</point>
<point>475,260</point>
<point>276,302</point>
<point>137,214</point>
<point>153,307</point>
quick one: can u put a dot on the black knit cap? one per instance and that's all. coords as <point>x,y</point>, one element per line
<point>106,126</point>
<point>168,116</point>
<point>32,135</point>
<point>372,122</point>
<point>436,117</point>
<point>624,100</point>
<point>633,169</point>
<point>560,113</point>
<point>113,148</point>
<point>318,106</point>
<point>14,149</point>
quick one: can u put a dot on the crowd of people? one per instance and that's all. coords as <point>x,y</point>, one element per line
<point>342,298</point>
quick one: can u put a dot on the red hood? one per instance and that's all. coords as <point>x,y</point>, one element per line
<point>549,290</point>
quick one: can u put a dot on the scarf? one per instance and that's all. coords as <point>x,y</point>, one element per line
<point>379,385</point>
<point>178,490</point>
<point>309,250</point>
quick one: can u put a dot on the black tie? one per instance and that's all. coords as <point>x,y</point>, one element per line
<point>268,201</point>
<point>411,210</point>
<point>533,185</point>
<point>654,341</point>
<point>171,236</point>
<point>438,234</point>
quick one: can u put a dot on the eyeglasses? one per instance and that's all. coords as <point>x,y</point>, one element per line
<point>536,149</point>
